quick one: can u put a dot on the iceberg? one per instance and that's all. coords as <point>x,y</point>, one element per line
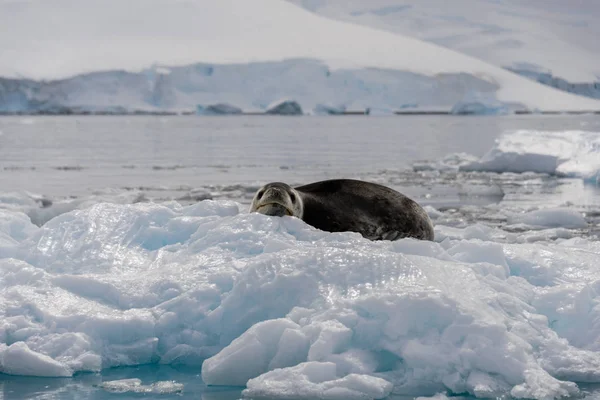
<point>326,109</point>
<point>574,154</point>
<point>287,310</point>
<point>478,108</point>
<point>284,107</point>
<point>218,109</point>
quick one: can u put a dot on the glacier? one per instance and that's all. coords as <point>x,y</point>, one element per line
<point>251,87</point>
<point>498,32</point>
<point>287,310</point>
<point>113,67</point>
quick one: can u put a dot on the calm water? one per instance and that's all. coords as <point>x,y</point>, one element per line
<point>165,158</point>
<point>75,156</point>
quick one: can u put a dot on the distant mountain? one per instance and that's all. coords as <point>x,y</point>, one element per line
<point>251,53</point>
<point>552,41</point>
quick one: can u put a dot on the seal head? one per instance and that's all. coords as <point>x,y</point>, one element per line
<point>278,199</point>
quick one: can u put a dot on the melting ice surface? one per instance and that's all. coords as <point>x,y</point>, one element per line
<point>504,302</point>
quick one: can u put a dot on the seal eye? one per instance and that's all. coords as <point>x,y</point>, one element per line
<point>293,197</point>
<point>260,194</point>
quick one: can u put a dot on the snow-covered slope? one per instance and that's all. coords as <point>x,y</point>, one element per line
<point>553,36</point>
<point>64,38</point>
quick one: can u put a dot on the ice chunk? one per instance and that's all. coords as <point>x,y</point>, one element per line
<point>564,153</point>
<point>450,162</point>
<point>316,380</point>
<point>284,107</point>
<point>325,109</point>
<point>218,109</point>
<point>14,227</point>
<point>433,212</point>
<point>19,359</point>
<point>251,354</point>
<point>551,218</point>
<point>134,385</point>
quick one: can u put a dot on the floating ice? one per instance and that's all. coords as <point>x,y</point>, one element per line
<point>564,153</point>
<point>218,109</point>
<point>451,162</point>
<point>289,310</point>
<point>284,107</point>
<point>134,385</point>
<point>551,218</point>
<point>327,109</point>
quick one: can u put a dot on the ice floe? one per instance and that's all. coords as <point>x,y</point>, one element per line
<point>287,310</point>
<point>134,385</point>
<point>563,153</point>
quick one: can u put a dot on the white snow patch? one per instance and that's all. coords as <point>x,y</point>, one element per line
<point>564,153</point>
<point>290,311</point>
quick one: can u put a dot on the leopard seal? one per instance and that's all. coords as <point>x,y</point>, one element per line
<point>339,205</point>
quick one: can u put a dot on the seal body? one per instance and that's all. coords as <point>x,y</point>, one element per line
<point>375,211</point>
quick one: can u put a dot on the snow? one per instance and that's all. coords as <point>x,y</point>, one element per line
<point>288,310</point>
<point>228,32</point>
<point>563,153</point>
<point>539,36</point>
